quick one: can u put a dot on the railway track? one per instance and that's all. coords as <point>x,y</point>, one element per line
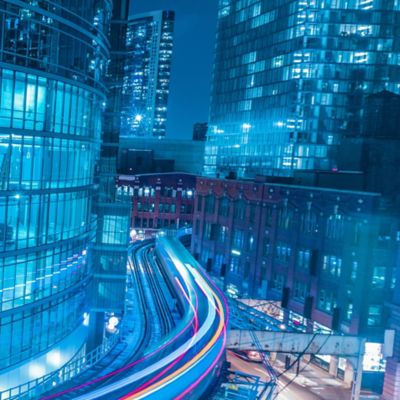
<point>157,321</point>
<point>179,357</point>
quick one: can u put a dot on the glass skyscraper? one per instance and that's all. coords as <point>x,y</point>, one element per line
<point>290,79</point>
<point>53,57</point>
<point>145,92</point>
<point>109,252</point>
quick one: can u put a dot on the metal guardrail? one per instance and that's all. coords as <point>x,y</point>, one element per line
<point>79,364</point>
<point>247,387</point>
<point>178,233</point>
<point>270,386</point>
<point>251,318</point>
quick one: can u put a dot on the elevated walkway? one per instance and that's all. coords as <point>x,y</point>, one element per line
<point>296,342</point>
<point>300,343</point>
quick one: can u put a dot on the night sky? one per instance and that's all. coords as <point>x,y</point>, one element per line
<point>194,38</point>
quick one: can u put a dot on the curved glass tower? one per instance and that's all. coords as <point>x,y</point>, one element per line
<point>53,55</point>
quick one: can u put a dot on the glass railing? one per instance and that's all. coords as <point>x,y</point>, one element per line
<point>79,364</point>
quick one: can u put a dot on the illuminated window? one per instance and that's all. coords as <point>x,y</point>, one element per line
<point>223,207</point>
<point>114,229</point>
<point>210,204</point>
<point>300,290</point>
<point>374,315</point>
<point>250,57</point>
<point>283,252</point>
<point>207,231</point>
<point>240,209</point>
<point>277,61</point>
<point>303,259</point>
<point>278,281</point>
<point>238,239</point>
<point>326,300</point>
<point>222,234</point>
<point>332,265</point>
<point>378,277</point>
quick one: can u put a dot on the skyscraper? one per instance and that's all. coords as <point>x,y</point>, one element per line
<point>290,79</point>
<point>109,252</point>
<point>53,59</point>
<point>147,74</point>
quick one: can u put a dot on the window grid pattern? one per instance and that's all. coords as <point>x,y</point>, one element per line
<point>51,99</point>
<point>290,78</point>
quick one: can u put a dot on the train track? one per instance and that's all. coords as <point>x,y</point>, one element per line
<point>162,310</point>
<point>155,324</point>
<point>178,357</point>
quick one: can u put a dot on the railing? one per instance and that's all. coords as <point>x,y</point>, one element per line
<point>247,387</point>
<point>184,231</point>
<point>268,391</point>
<point>251,317</point>
<point>79,364</point>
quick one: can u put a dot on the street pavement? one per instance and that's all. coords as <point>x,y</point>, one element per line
<point>311,384</point>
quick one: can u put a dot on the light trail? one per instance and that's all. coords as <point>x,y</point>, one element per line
<point>160,374</point>
<point>154,367</point>
<point>130,365</point>
<point>188,365</point>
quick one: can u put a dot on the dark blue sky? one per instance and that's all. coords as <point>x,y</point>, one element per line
<point>194,38</point>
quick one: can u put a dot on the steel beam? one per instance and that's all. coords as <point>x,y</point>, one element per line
<point>296,342</point>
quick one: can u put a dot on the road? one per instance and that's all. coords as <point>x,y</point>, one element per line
<point>312,384</point>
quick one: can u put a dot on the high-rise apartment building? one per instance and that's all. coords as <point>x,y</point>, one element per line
<point>291,77</point>
<point>52,61</point>
<point>149,46</point>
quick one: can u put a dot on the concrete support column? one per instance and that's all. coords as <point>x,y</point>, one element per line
<point>333,366</point>
<point>272,356</point>
<point>348,375</point>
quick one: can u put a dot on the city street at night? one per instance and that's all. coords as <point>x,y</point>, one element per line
<point>311,384</point>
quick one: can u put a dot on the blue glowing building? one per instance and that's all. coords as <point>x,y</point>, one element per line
<point>52,62</point>
<point>291,78</point>
<point>149,44</point>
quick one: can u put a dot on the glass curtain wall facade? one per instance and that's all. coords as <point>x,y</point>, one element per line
<point>149,44</point>
<point>113,214</point>
<point>290,78</point>
<point>52,60</point>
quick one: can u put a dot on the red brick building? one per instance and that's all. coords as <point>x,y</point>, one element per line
<point>316,250</point>
<point>319,250</point>
<point>159,200</point>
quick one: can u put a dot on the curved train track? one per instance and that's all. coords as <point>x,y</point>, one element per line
<point>182,357</point>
